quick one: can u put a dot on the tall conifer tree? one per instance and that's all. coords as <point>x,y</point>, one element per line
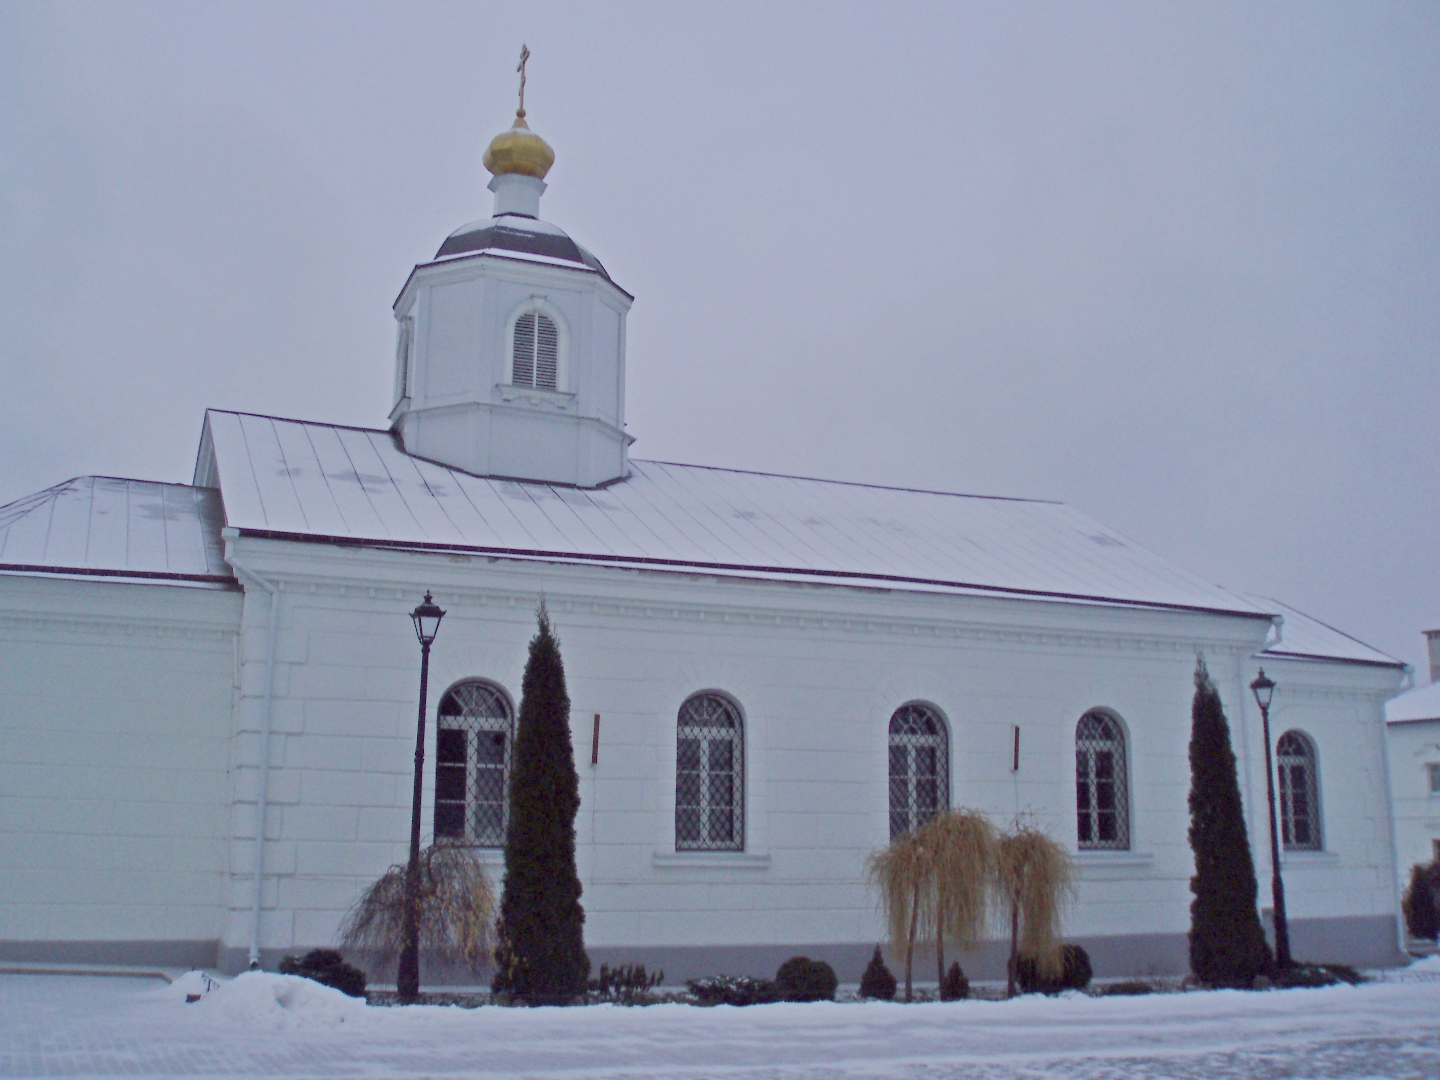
<point>1227,943</point>
<point>540,956</point>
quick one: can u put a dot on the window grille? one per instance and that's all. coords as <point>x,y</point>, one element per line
<point>1102,789</point>
<point>709,776</point>
<point>536,353</point>
<point>1299,793</point>
<point>919,768</point>
<point>472,765</point>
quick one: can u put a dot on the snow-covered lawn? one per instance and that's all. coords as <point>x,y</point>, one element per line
<point>272,1025</point>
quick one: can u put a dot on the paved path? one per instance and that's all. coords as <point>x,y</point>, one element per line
<point>72,1026</point>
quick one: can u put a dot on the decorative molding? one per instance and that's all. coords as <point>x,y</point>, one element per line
<point>1113,865</point>
<point>142,627</point>
<point>561,399</point>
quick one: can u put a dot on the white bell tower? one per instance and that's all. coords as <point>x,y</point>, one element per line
<point>510,358</point>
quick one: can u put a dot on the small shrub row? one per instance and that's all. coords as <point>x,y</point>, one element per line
<point>1075,973</point>
<point>627,984</point>
<point>799,979</point>
<point>328,967</point>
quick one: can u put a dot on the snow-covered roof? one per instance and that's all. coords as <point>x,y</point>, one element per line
<point>100,526</point>
<point>288,478</point>
<point>1421,703</point>
<point>1305,637</point>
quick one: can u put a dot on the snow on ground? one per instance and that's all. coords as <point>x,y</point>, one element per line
<point>279,1026</point>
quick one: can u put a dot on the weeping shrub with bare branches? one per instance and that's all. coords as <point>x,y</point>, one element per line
<point>961,844</point>
<point>901,874</point>
<point>934,885</point>
<point>457,913</point>
<point>1033,885</point>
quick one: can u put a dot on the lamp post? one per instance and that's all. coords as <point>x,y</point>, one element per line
<point>1264,690</point>
<point>426,618</point>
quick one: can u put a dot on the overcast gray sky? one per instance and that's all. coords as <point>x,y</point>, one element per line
<point>1178,266</point>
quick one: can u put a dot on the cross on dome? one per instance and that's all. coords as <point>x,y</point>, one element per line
<point>519,151</point>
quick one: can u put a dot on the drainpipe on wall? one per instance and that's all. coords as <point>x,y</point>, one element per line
<point>261,798</point>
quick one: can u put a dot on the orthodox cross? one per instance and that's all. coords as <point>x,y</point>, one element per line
<point>524,56</point>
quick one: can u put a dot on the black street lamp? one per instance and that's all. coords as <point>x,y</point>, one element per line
<point>407,977</point>
<point>1264,690</point>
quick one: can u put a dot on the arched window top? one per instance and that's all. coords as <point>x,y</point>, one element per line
<point>535,351</point>
<point>475,698</point>
<point>917,719</point>
<point>1299,792</point>
<point>709,775</point>
<point>1295,744</point>
<point>473,740</point>
<point>1102,783</point>
<point>919,755</point>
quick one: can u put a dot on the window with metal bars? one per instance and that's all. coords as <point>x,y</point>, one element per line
<point>1299,792</point>
<point>1102,789</point>
<point>919,767</point>
<point>535,358</point>
<point>472,765</point>
<point>709,776</point>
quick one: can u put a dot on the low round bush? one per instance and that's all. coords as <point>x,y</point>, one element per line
<point>1126,988</point>
<point>329,967</point>
<point>1075,974</point>
<point>803,979</point>
<point>732,990</point>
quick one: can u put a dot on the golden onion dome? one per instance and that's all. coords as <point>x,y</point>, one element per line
<point>519,150</point>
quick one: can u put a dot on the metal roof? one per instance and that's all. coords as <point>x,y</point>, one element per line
<point>1305,637</point>
<point>101,526</point>
<point>1421,703</point>
<point>309,481</point>
<point>513,234</point>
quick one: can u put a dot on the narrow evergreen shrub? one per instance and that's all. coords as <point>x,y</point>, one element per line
<point>955,987</point>
<point>732,990</point>
<point>1227,944</point>
<point>540,957</point>
<point>1075,972</point>
<point>878,981</point>
<point>803,979</point>
<point>329,967</point>
<point>1422,910</point>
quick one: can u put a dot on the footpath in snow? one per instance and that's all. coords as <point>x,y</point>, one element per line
<point>280,1026</point>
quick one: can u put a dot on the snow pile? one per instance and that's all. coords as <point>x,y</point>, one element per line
<point>191,983</point>
<point>263,999</point>
<point>1429,966</point>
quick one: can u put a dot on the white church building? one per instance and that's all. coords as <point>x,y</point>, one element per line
<point>208,692</point>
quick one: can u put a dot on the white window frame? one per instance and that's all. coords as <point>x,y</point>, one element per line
<point>1315,809</point>
<point>908,744</point>
<point>539,305</point>
<point>474,728</point>
<point>737,780</point>
<point>1119,748</point>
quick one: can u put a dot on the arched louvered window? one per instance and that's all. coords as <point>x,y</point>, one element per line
<point>1102,788</point>
<point>535,358</point>
<point>709,776</point>
<point>472,764</point>
<point>919,767</point>
<point>1299,792</point>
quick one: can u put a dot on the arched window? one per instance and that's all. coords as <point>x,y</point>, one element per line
<point>709,776</point>
<point>1102,789</point>
<point>472,764</point>
<point>919,767</point>
<point>535,356</point>
<point>1299,792</point>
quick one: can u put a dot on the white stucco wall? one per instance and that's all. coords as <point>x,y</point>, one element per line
<point>115,721</point>
<point>1417,810</point>
<point>817,671</point>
